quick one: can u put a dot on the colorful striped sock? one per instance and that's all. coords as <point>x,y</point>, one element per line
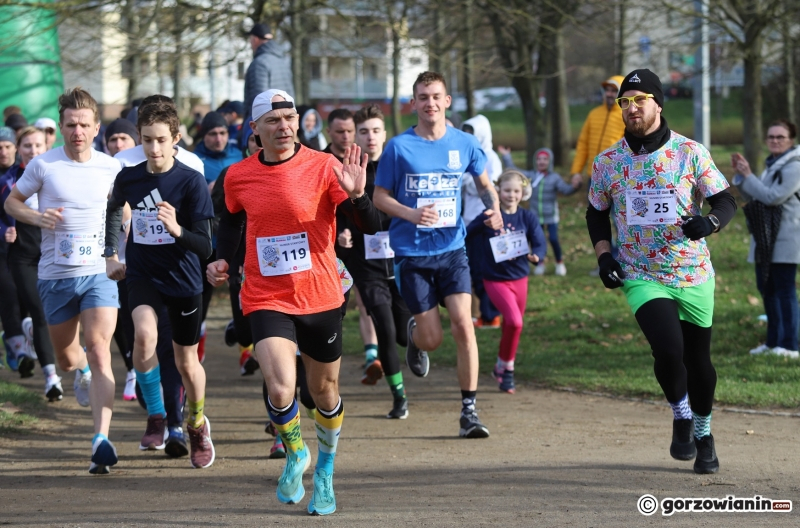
<point>681,410</point>
<point>395,382</point>
<point>150,383</point>
<point>702,425</point>
<point>196,417</point>
<point>287,423</point>
<point>329,425</point>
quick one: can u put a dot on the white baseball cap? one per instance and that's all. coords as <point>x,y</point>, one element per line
<point>44,123</point>
<point>263,103</point>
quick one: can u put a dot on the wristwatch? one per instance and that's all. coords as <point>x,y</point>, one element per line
<point>714,221</point>
<point>109,252</point>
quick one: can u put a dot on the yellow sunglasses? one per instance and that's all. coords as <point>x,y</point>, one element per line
<point>638,100</point>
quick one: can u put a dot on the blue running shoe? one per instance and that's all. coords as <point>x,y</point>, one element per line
<point>104,455</point>
<point>11,357</point>
<point>290,484</point>
<point>176,442</point>
<point>323,501</point>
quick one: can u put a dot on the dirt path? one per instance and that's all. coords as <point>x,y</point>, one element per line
<point>554,459</point>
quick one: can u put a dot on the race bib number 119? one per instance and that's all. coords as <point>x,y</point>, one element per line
<point>284,254</point>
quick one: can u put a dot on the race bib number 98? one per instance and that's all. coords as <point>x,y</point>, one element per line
<point>76,249</point>
<point>283,255</point>
<point>446,207</point>
<point>651,207</point>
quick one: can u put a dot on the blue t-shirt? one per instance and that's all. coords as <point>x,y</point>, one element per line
<point>412,167</point>
<point>508,270</point>
<point>173,269</point>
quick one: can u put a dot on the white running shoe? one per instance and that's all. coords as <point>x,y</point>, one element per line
<point>561,269</point>
<point>780,351</point>
<point>129,394</point>
<point>53,390</point>
<point>539,269</point>
<point>760,349</point>
<point>81,386</point>
<point>27,331</point>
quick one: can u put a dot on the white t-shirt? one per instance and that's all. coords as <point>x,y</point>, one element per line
<point>82,189</point>
<point>134,156</point>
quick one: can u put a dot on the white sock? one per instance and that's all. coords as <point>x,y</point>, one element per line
<point>49,370</point>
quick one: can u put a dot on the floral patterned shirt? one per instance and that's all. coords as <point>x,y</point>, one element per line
<point>662,186</point>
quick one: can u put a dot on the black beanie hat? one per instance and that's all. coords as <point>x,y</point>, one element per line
<point>16,121</point>
<point>122,126</point>
<point>211,121</point>
<point>645,81</point>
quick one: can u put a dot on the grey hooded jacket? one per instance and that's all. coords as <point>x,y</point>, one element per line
<point>269,69</point>
<point>473,205</point>
<point>770,189</point>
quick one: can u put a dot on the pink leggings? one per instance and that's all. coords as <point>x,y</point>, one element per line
<point>510,297</point>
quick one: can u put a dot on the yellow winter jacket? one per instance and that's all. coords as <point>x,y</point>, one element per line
<point>603,128</point>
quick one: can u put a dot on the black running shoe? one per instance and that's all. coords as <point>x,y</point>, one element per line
<point>230,334</point>
<point>706,461</point>
<point>399,409</point>
<point>416,359</point>
<point>682,447</point>
<point>471,426</point>
<point>26,366</point>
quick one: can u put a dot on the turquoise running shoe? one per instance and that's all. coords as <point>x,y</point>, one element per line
<point>290,484</point>
<point>323,501</point>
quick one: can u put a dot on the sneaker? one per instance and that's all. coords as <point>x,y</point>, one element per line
<point>372,373</point>
<point>416,359</point>
<point>81,386</point>
<point>539,269</point>
<point>483,324</point>
<point>176,442</point>
<point>706,461</point>
<point>471,426</point>
<point>399,409</point>
<point>11,356</point>
<point>760,349</point>
<point>25,365</point>
<point>248,364</point>
<point>506,382</point>
<point>683,445</point>
<point>203,453</point>
<point>53,390</point>
<point>155,435</point>
<point>561,269</point>
<point>230,334</point>
<point>323,501</point>
<point>129,394</point>
<point>778,351</point>
<point>104,455</point>
<point>277,450</point>
<point>290,484</point>
<point>27,332</point>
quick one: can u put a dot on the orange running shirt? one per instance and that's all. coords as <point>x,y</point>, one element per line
<point>299,195</point>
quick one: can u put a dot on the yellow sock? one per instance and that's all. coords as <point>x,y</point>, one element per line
<point>196,418</point>
<point>287,424</point>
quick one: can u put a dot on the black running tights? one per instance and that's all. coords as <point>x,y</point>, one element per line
<point>9,301</point>
<point>682,353</point>
<point>391,327</point>
<point>26,277</point>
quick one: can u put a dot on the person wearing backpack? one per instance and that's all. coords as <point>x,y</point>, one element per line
<point>775,198</point>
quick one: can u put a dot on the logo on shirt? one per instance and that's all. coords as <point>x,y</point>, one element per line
<point>433,182</point>
<point>455,160</point>
<point>635,78</point>
<point>150,201</point>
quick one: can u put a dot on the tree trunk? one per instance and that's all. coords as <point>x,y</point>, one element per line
<point>397,118</point>
<point>469,59</point>
<point>436,50</point>
<point>789,69</point>
<point>528,90</point>
<point>751,103</point>
<point>558,105</point>
<point>619,38</point>
<point>177,72</point>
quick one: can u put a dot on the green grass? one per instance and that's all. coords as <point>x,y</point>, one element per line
<point>578,334</point>
<point>27,401</point>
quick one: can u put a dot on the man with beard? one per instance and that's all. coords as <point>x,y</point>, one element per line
<point>653,182</point>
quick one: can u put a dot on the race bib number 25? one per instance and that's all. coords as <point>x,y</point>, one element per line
<point>654,207</point>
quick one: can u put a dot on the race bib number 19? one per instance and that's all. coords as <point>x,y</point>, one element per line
<point>283,255</point>
<point>446,207</point>
<point>654,207</point>
<point>76,249</point>
<point>147,229</point>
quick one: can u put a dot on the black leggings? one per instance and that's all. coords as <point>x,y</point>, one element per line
<point>9,301</point>
<point>391,326</point>
<point>26,277</point>
<point>682,353</point>
<point>124,332</point>
<point>241,324</point>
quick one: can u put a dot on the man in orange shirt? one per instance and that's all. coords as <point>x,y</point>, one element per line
<point>288,195</point>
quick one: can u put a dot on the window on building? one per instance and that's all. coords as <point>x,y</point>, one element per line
<point>315,69</point>
<point>240,70</point>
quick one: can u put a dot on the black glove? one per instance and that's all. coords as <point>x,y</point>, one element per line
<point>696,227</point>
<point>610,271</point>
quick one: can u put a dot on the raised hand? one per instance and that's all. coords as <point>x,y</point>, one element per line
<point>353,176</point>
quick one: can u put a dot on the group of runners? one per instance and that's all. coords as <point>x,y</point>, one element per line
<point>143,234</point>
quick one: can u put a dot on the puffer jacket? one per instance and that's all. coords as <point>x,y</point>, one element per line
<point>603,127</point>
<point>269,69</point>
<point>779,184</point>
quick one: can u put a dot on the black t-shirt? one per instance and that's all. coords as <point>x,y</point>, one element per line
<point>172,268</point>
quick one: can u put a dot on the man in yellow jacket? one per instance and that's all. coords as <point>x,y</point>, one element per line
<point>603,127</point>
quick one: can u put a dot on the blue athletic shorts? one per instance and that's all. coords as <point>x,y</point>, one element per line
<point>424,282</point>
<point>63,299</point>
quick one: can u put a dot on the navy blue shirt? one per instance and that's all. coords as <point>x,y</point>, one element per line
<point>173,269</point>
<point>516,268</point>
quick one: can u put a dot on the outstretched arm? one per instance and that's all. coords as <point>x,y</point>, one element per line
<point>490,200</point>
